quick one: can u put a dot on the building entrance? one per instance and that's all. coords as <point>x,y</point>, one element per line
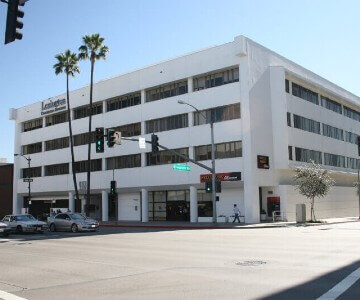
<point>177,211</point>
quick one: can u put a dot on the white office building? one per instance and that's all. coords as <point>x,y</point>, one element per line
<point>270,116</point>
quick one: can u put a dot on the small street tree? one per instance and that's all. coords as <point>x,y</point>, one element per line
<point>313,182</point>
<point>67,63</point>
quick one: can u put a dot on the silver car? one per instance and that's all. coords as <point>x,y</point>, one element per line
<point>24,223</point>
<point>72,221</point>
<point>4,229</point>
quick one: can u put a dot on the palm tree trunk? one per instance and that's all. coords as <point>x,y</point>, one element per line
<point>71,139</point>
<point>89,138</point>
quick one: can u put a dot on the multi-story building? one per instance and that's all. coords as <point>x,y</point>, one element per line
<point>270,116</point>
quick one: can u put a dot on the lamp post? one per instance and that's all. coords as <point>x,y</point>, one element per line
<point>28,160</point>
<point>213,173</point>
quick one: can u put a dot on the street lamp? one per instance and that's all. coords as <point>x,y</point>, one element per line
<point>213,173</point>
<point>28,160</point>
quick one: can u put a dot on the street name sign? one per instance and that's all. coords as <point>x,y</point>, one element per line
<point>181,167</point>
<point>142,143</point>
<point>28,180</point>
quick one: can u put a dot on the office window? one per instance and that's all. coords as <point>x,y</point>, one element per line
<point>166,91</point>
<point>290,152</point>
<point>352,163</point>
<point>122,162</point>
<point>289,119</point>
<point>57,144</point>
<point>351,137</point>
<point>334,160</point>
<point>31,172</point>
<point>32,148</point>
<point>123,101</point>
<point>217,114</point>
<point>222,150</point>
<point>168,123</point>
<point>333,132</point>
<point>32,125</point>
<point>352,114</point>
<point>306,124</point>
<point>82,138</point>
<point>331,105</point>
<point>84,111</point>
<point>81,166</point>
<point>306,155</point>
<point>304,93</point>
<point>58,169</point>
<point>56,119</point>
<point>216,78</point>
<point>287,86</point>
<point>129,129</point>
<point>166,157</point>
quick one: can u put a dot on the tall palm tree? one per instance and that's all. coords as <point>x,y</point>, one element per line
<point>92,49</point>
<point>67,63</point>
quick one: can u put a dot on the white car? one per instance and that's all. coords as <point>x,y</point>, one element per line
<point>24,223</point>
<point>4,229</point>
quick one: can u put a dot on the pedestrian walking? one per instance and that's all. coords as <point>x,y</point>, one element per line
<point>236,213</point>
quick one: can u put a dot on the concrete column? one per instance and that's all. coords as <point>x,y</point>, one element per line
<point>143,96</point>
<point>105,206</point>
<point>193,205</point>
<point>191,119</point>
<point>251,187</point>
<point>104,106</point>
<point>144,206</point>
<point>83,203</point>
<point>190,85</point>
<point>71,202</point>
<point>191,152</point>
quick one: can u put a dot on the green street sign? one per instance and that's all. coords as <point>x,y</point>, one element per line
<point>181,167</point>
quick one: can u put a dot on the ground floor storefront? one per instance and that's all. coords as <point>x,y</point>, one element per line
<point>194,205</point>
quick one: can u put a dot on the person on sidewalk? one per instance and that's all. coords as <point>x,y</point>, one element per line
<point>236,213</point>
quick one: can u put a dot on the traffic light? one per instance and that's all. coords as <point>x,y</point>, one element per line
<point>14,14</point>
<point>113,187</point>
<point>208,186</point>
<point>99,139</point>
<point>358,144</point>
<point>154,143</point>
<point>110,137</point>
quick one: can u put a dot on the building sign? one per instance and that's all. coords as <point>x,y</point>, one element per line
<point>263,162</point>
<point>50,106</point>
<point>231,176</point>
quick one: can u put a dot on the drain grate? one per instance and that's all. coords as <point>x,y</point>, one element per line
<point>250,263</point>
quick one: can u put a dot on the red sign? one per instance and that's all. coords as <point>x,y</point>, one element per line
<point>231,176</point>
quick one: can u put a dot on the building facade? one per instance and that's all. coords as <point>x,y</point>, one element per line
<point>270,115</point>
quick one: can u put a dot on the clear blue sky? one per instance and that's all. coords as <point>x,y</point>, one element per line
<point>321,35</point>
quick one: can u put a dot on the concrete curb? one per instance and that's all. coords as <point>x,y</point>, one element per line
<point>255,226</point>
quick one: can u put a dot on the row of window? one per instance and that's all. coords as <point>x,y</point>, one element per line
<point>217,114</point>
<point>308,95</point>
<point>176,88</point>
<point>334,160</point>
<point>222,150</point>
<point>327,130</point>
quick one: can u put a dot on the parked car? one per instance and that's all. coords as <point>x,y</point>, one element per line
<point>4,229</point>
<point>72,221</point>
<point>24,223</point>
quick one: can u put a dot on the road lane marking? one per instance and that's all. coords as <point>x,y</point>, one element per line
<point>8,296</point>
<point>342,286</point>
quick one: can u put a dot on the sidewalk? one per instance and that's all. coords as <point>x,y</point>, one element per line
<point>188,225</point>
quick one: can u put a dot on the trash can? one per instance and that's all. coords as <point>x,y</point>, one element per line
<point>300,213</point>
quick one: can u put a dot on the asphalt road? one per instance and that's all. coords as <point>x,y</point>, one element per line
<point>271,263</point>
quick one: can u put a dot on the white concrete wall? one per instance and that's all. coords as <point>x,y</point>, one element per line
<point>340,202</point>
<point>129,207</point>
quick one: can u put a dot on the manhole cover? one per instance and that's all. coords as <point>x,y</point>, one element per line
<point>250,263</point>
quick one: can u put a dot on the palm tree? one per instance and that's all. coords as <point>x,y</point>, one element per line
<point>67,63</point>
<point>92,49</point>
